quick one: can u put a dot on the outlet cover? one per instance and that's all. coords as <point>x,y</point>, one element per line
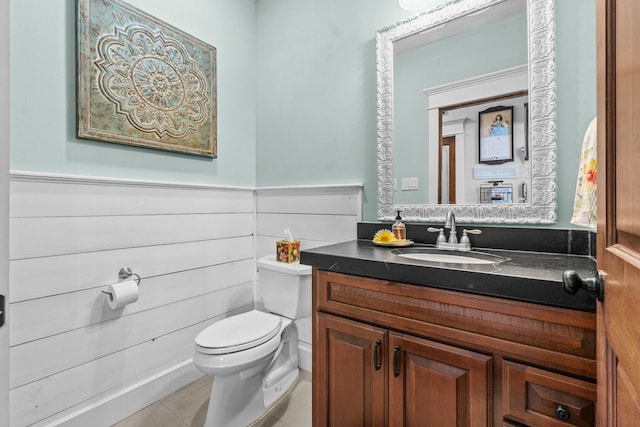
<point>410,183</point>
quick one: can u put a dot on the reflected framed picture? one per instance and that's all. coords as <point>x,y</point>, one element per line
<point>495,135</point>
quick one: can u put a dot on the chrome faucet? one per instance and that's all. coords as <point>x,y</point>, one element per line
<point>450,222</point>
<point>452,244</point>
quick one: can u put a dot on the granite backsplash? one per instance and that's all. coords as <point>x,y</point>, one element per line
<point>560,241</point>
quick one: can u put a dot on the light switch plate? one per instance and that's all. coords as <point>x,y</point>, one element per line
<point>410,183</point>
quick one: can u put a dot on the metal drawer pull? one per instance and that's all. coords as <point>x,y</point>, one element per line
<point>376,355</point>
<point>396,369</point>
<point>562,413</point>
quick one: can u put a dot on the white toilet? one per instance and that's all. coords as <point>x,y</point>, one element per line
<point>253,356</point>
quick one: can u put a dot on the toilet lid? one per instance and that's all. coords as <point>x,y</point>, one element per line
<point>237,333</point>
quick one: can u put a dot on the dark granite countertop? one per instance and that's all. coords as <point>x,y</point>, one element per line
<point>534,277</point>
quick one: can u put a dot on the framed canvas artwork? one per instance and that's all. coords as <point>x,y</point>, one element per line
<point>142,82</point>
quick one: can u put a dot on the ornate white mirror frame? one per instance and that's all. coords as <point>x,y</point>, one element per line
<point>542,119</point>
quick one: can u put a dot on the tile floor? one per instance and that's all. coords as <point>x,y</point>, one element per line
<point>187,407</point>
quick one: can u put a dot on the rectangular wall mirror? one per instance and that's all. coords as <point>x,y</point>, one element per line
<point>435,72</point>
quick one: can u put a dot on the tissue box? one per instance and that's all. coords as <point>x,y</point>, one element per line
<point>288,251</point>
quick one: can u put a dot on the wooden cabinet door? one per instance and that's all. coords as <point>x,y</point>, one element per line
<point>433,384</point>
<point>619,212</point>
<point>349,373</point>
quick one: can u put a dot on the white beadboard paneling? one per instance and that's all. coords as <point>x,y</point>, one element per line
<point>39,237</point>
<point>333,228</point>
<point>52,394</point>
<point>317,217</point>
<point>314,214</point>
<point>107,408</point>
<point>39,277</point>
<point>304,356</point>
<point>79,198</point>
<point>343,200</point>
<point>304,343</point>
<point>105,411</point>
<point>193,246</point>
<point>55,314</point>
<point>304,329</point>
<point>50,355</point>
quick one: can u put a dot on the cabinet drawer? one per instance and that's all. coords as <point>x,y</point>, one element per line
<point>556,338</point>
<point>540,398</point>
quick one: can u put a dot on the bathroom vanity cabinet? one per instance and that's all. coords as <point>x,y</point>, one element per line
<point>398,354</point>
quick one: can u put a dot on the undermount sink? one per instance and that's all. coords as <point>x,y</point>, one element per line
<point>448,257</point>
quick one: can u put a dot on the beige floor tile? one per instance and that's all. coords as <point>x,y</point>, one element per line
<point>270,421</point>
<point>190,402</point>
<point>200,416</point>
<point>295,410</point>
<point>156,415</point>
<point>305,376</point>
<point>188,407</point>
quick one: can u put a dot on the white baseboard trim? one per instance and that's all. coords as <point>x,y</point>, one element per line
<point>116,405</point>
<point>304,356</point>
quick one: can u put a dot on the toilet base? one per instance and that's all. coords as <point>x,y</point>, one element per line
<point>239,403</point>
<point>230,403</point>
<point>273,394</point>
<point>244,397</point>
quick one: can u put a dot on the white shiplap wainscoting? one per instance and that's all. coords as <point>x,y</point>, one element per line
<point>74,361</point>
<point>317,216</point>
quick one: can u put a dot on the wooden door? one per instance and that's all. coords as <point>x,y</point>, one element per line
<point>433,384</point>
<point>349,373</point>
<point>619,212</point>
<point>447,178</point>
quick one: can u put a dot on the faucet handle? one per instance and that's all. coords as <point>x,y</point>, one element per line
<point>472,231</point>
<point>441,238</point>
<point>465,238</point>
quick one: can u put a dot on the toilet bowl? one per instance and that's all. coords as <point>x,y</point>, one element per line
<point>253,356</point>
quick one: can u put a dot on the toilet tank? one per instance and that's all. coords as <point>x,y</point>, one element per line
<point>286,288</point>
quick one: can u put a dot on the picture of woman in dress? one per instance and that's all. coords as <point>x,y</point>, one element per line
<point>499,126</point>
<point>496,134</point>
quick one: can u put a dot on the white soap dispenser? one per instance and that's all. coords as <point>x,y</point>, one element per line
<point>399,229</point>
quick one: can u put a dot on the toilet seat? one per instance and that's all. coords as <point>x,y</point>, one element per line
<point>238,333</point>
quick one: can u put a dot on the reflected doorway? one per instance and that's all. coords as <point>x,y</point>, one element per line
<point>447,167</point>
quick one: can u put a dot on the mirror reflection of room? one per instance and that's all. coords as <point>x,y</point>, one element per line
<point>459,72</point>
<point>482,148</point>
